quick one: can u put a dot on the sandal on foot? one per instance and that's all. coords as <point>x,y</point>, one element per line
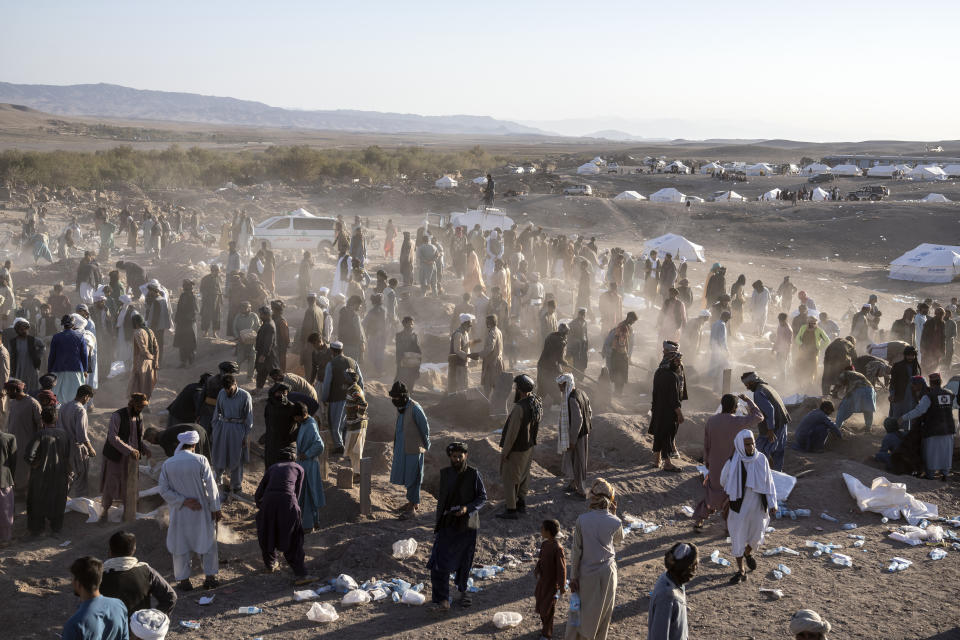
<point>751,562</point>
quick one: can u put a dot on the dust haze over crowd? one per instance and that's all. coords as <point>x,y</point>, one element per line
<point>816,266</point>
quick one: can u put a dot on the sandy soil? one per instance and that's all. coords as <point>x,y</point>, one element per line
<point>836,252</point>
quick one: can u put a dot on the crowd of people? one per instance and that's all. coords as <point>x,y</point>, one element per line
<point>515,288</point>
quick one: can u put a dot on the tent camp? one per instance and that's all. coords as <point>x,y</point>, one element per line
<point>927,263</point>
<point>711,168</point>
<point>677,246</point>
<point>883,171</point>
<point>927,173</point>
<point>846,170</point>
<point>815,167</point>
<point>820,195</point>
<point>728,196</point>
<point>480,180</point>
<point>446,182</point>
<point>676,167</point>
<point>935,197</point>
<point>773,194</point>
<point>668,194</point>
<point>628,195</point>
<point>952,170</point>
<point>588,169</point>
<point>760,169</point>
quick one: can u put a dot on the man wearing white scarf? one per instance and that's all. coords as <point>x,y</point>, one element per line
<point>574,434</point>
<point>748,481</point>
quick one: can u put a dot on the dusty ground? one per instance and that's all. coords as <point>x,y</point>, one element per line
<point>837,252</point>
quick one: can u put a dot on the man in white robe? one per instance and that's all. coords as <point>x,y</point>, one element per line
<point>748,481</point>
<point>187,485</point>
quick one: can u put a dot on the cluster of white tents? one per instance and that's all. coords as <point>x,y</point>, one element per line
<point>936,263</point>
<point>922,172</point>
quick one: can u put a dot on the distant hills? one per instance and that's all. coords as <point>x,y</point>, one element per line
<point>114,101</point>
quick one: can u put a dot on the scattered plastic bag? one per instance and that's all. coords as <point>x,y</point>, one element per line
<point>300,596</point>
<point>205,600</point>
<point>355,596</point>
<point>506,619</point>
<point>898,564</point>
<point>403,549</point>
<point>344,583</point>
<point>716,559</point>
<point>414,598</point>
<point>117,368</point>
<point>773,594</point>
<point>779,550</point>
<point>937,554</point>
<point>322,612</point>
<point>841,559</point>
<point>687,510</point>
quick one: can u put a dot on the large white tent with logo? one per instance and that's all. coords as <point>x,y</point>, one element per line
<point>628,195</point>
<point>937,263</point>
<point>588,169</point>
<point>677,246</point>
<point>668,194</point>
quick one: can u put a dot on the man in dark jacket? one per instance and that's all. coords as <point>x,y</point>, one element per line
<point>135,277</point>
<point>772,441</point>
<point>902,372</point>
<point>266,347</point>
<point>23,344</point>
<point>281,426</point>
<point>166,439</point>
<point>666,414</point>
<point>551,363</point>
<point>462,495</point>
<point>133,582</point>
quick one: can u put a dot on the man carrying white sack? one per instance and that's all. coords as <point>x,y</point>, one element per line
<point>748,481</point>
<point>187,484</point>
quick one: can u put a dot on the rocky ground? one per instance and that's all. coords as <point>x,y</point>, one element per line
<point>836,251</point>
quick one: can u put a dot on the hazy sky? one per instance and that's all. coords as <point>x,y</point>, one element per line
<point>813,70</point>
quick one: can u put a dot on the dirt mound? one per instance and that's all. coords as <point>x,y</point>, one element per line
<point>466,410</point>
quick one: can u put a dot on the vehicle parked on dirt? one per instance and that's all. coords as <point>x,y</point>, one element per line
<point>298,229</point>
<point>869,192</point>
<point>578,190</point>
<point>822,177</point>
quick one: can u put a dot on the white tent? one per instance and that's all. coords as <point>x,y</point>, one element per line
<point>728,196</point>
<point>760,169</point>
<point>711,168</point>
<point>773,194</point>
<point>446,182</point>
<point>846,170</point>
<point>927,263</point>
<point>677,246</point>
<point>935,197</point>
<point>819,194</point>
<point>629,195</point>
<point>588,169</point>
<point>952,170</point>
<point>676,167</point>
<point>668,194</point>
<point>927,173</point>
<point>882,171</point>
<point>480,180</point>
<point>694,199</point>
<point>815,167</point>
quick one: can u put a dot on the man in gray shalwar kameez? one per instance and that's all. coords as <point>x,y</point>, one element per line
<point>73,419</point>
<point>574,434</point>
<point>23,421</point>
<point>232,423</point>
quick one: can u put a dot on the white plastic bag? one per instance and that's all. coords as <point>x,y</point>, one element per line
<point>403,549</point>
<point>355,597</point>
<point>322,612</point>
<point>117,368</point>
<point>300,596</point>
<point>413,597</point>
<point>506,619</point>
<point>345,583</point>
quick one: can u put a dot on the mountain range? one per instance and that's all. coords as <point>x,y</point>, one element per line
<point>114,101</point>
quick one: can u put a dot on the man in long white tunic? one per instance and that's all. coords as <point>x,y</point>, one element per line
<point>748,481</point>
<point>232,423</point>
<point>187,484</point>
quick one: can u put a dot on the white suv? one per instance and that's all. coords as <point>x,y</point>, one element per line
<point>578,190</point>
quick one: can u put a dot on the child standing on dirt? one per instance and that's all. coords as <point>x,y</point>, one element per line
<point>551,573</point>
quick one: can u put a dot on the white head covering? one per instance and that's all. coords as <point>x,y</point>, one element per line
<point>809,621</point>
<point>125,299</point>
<point>19,320</point>
<point>78,321</point>
<point>149,624</point>
<point>759,476</point>
<point>323,291</point>
<point>187,438</point>
<point>323,302</point>
<point>568,380</point>
<point>467,317</point>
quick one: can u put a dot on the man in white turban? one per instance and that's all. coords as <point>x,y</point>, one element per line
<point>748,481</point>
<point>149,624</point>
<point>188,486</point>
<point>574,434</point>
<point>808,625</point>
